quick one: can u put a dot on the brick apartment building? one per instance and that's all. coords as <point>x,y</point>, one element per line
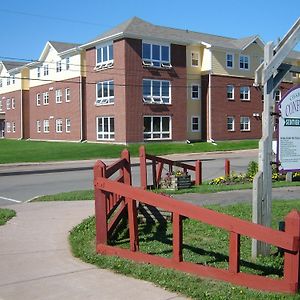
<point>142,82</point>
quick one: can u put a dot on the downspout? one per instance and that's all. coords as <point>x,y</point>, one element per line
<point>21,109</point>
<point>81,110</point>
<point>209,138</point>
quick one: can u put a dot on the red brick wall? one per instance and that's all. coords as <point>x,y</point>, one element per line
<point>53,111</point>
<point>26,115</point>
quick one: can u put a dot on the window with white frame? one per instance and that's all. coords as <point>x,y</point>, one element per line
<point>13,125</point>
<point>156,55</point>
<point>244,62</point>
<point>245,124</point>
<point>8,81</point>
<point>229,60</point>
<point>38,126</point>
<point>58,96</point>
<point>8,104</point>
<point>105,128</point>
<point>46,98</point>
<point>195,59</point>
<point>195,91</point>
<point>245,93</point>
<point>67,63</point>
<point>58,66</point>
<point>230,123</point>
<point>46,126</point>
<point>13,78</point>
<point>38,99</point>
<point>105,55</point>
<point>195,124</point>
<point>46,70</point>
<point>105,92</point>
<point>38,72</point>
<point>156,91</point>
<point>68,94</point>
<point>157,127</point>
<point>8,127</point>
<point>277,95</point>
<point>68,125</point>
<point>230,92</point>
<point>59,125</point>
<point>13,103</point>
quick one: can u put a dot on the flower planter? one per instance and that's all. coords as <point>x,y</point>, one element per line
<point>174,182</point>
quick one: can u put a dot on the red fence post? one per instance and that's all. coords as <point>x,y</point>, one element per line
<point>177,237</point>
<point>234,252</point>
<point>100,205</point>
<point>143,167</point>
<point>198,172</point>
<point>292,259</point>
<point>227,167</point>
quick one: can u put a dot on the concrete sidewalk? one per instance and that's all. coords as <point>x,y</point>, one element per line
<point>36,262</point>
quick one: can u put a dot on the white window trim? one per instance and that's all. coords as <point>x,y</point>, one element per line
<point>46,129</point>
<point>109,133</point>
<point>58,96</point>
<point>38,126</point>
<point>38,99</point>
<point>277,91</point>
<point>229,53</point>
<point>8,127</point>
<point>13,125</point>
<point>68,126</point>
<point>230,85</point>
<point>199,90</point>
<point>46,70</point>
<point>150,62</point>
<point>44,98</point>
<point>245,123</point>
<point>249,96</point>
<point>198,53</point>
<point>109,100</point>
<point>233,123</point>
<point>107,63</point>
<point>67,63</point>
<point>58,66</point>
<point>68,94</point>
<point>8,104</point>
<point>243,55</point>
<point>58,125</point>
<point>161,97</point>
<point>198,118</point>
<point>160,132</point>
<point>13,103</point>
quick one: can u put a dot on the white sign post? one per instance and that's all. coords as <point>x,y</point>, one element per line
<point>288,154</point>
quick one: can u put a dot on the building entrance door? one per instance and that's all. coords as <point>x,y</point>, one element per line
<point>2,127</point>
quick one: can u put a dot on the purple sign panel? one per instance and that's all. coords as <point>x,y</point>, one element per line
<point>288,152</point>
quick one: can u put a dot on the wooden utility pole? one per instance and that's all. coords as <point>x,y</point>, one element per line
<point>272,73</point>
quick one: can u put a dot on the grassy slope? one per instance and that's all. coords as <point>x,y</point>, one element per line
<point>6,214</point>
<point>33,151</point>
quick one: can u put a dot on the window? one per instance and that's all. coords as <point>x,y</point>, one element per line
<point>156,55</point>
<point>195,59</point>
<point>8,80</point>
<point>58,96</point>
<point>8,104</point>
<point>46,70</point>
<point>244,62</point>
<point>230,92</point>
<point>13,77</point>
<point>46,126</point>
<point>105,55</point>
<point>68,125</point>
<point>229,60</point>
<point>8,128</point>
<point>59,125</point>
<point>67,63</point>
<point>245,93</point>
<point>105,92</point>
<point>58,66</point>
<point>195,91</point>
<point>195,124</point>
<point>38,72</point>
<point>277,95</point>
<point>157,127</point>
<point>38,99</point>
<point>156,91</point>
<point>245,124</point>
<point>230,123</point>
<point>46,98</point>
<point>13,126</point>
<point>38,126</point>
<point>68,94</point>
<point>1,84</point>
<point>294,75</point>
<point>105,128</point>
<point>13,103</point>
<point>1,105</point>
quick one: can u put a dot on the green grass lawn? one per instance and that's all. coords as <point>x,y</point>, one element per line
<point>13,151</point>
<point>203,244</point>
<point>6,214</point>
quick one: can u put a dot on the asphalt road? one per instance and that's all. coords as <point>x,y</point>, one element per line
<point>20,183</point>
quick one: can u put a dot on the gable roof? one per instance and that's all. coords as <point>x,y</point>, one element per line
<point>62,46</point>
<point>138,28</point>
<point>11,65</point>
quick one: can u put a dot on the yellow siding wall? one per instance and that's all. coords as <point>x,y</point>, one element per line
<point>25,82</point>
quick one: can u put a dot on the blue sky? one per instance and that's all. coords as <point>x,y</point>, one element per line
<point>27,25</point>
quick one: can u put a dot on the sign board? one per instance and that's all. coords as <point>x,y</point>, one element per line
<point>288,153</point>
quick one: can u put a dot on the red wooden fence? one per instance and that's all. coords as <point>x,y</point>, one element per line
<point>110,194</point>
<point>158,165</point>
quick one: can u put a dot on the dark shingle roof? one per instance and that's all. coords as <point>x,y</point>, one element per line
<point>137,27</point>
<point>10,65</point>
<point>62,46</point>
